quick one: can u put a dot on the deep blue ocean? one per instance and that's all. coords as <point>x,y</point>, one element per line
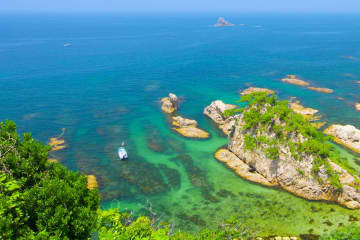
<point>101,77</point>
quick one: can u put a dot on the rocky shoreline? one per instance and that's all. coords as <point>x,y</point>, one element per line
<point>347,135</point>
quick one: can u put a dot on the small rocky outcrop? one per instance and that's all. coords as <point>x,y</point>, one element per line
<point>271,152</point>
<point>223,23</point>
<point>347,135</point>
<point>292,79</point>
<point>357,106</point>
<point>323,90</point>
<point>300,109</point>
<point>255,89</point>
<point>188,128</point>
<point>92,182</point>
<point>56,144</point>
<point>358,82</point>
<point>215,112</point>
<point>169,104</point>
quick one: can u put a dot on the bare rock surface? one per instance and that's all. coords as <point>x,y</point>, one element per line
<point>223,23</point>
<point>255,89</point>
<point>188,128</point>
<point>347,135</point>
<point>292,79</point>
<point>300,109</point>
<point>241,168</point>
<point>357,106</point>
<point>323,90</point>
<point>215,112</point>
<point>169,104</point>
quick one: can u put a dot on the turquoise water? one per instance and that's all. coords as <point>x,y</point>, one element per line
<point>105,88</point>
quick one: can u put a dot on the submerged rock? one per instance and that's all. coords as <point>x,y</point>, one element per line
<point>154,139</point>
<point>254,89</point>
<point>223,23</point>
<point>173,176</point>
<point>145,176</point>
<point>347,135</point>
<point>323,90</point>
<point>215,111</point>
<point>292,79</point>
<point>170,104</point>
<point>196,176</point>
<point>176,145</point>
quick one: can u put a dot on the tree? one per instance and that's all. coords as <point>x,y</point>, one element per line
<point>38,199</point>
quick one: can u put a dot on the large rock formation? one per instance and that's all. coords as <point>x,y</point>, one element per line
<point>257,153</point>
<point>215,111</point>
<point>347,135</point>
<point>223,23</point>
<point>188,128</point>
<point>169,104</point>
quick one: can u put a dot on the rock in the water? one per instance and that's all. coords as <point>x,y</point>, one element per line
<point>300,109</point>
<point>357,106</point>
<point>323,90</point>
<point>179,121</point>
<point>192,132</point>
<point>188,128</point>
<point>223,23</point>
<point>170,104</point>
<point>215,112</point>
<point>347,135</point>
<point>254,89</point>
<point>57,144</point>
<point>292,79</point>
<point>241,168</point>
<point>92,183</point>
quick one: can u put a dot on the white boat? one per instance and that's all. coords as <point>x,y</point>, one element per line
<point>122,153</point>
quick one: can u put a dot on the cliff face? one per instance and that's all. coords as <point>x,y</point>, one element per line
<point>277,154</point>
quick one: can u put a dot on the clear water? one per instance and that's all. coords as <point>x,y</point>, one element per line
<point>104,88</point>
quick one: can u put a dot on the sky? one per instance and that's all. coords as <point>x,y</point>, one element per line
<point>181,5</point>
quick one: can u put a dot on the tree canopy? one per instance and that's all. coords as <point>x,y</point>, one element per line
<point>41,200</point>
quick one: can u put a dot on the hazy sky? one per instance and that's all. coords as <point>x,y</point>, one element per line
<point>183,5</point>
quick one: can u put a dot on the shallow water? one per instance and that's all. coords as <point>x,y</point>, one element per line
<point>104,88</point>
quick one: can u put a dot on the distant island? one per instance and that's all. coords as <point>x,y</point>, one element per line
<point>221,22</point>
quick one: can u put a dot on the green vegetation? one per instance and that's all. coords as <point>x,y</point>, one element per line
<point>41,200</point>
<point>265,114</point>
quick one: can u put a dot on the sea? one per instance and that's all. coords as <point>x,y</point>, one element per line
<point>101,77</point>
